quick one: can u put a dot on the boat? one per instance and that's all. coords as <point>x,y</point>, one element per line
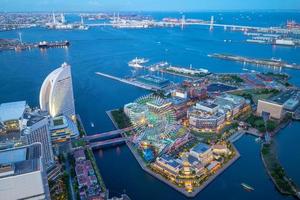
<point>137,62</point>
<point>247,187</point>
<point>92,124</point>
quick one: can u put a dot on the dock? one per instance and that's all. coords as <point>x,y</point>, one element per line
<point>259,62</point>
<point>17,45</point>
<point>131,81</point>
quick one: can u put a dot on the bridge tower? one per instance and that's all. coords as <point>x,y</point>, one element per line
<point>182,21</point>
<point>114,18</point>
<point>211,27</point>
<point>20,37</point>
<point>53,17</point>
<point>63,19</point>
<point>81,21</point>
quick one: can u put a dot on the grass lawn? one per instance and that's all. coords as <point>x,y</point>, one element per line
<point>120,118</point>
<point>256,94</point>
<point>275,169</point>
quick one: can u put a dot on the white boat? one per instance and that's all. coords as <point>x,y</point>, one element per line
<point>247,187</point>
<point>137,62</point>
<point>92,124</point>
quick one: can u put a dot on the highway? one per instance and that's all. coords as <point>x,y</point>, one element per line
<point>209,24</point>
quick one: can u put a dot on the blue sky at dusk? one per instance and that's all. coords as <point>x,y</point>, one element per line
<point>145,5</point>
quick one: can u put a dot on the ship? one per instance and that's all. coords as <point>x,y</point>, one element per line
<point>137,62</point>
<point>44,44</point>
<point>247,187</point>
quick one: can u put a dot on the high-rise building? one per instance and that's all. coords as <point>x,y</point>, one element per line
<point>11,123</point>
<point>22,173</point>
<point>11,115</point>
<point>56,94</point>
<point>37,130</point>
<point>63,129</point>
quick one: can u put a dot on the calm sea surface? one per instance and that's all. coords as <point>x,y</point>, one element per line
<point>108,50</point>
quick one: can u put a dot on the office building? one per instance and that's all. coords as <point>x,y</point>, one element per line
<point>37,130</point>
<point>277,106</point>
<point>206,117</point>
<point>22,174</point>
<point>273,109</point>
<point>11,116</point>
<point>210,115</point>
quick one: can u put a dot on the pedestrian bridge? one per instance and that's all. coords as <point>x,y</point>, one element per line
<point>109,134</point>
<point>100,144</point>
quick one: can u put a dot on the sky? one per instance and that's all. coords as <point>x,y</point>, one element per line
<point>145,5</point>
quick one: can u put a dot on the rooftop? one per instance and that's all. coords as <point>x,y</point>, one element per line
<point>284,96</point>
<point>59,122</point>
<point>207,104</point>
<point>201,148</point>
<point>21,160</point>
<point>34,117</point>
<point>177,100</point>
<point>170,161</point>
<point>12,110</point>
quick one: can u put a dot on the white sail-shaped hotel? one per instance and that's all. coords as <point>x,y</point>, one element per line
<point>56,94</point>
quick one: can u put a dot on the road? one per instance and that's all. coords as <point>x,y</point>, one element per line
<point>68,169</point>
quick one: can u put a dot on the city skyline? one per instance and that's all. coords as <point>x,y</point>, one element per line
<point>146,5</point>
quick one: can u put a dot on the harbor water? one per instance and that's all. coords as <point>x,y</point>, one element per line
<point>108,50</point>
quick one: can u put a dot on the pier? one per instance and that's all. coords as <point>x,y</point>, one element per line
<point>131,81</point>
<point>18,45</point>
<point>259,62</point>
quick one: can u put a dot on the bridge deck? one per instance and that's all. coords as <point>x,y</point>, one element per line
<point>100,144</point>
<point>106,134</point>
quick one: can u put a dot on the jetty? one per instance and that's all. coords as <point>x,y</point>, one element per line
<point>18,45</point>
<point>259,62</point>
<point>130,81</point>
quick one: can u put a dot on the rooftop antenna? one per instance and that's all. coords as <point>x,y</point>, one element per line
<point>82,23</point>
<point>63,20</point>
<point>53,17</point>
